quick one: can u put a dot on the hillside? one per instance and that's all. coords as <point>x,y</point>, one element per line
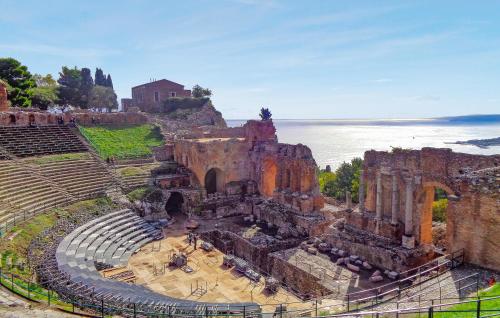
<point>123,142</point>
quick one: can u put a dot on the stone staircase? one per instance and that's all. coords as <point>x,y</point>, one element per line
<point>39,140</point>
<point>139,177</point>
<point>24,193</point>
<point>83,178</point>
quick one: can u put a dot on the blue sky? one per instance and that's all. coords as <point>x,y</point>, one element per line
<point>303,59</point>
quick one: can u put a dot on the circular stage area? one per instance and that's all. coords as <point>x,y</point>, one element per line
<point>109,241</point>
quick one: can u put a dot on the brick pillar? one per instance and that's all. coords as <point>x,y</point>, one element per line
<point>378,208</point>
<point>394,203</point>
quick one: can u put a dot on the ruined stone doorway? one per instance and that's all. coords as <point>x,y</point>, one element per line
<point>214,181</point>
<point>269,177</point>
<point>434,220</point>
<point>174,204</point>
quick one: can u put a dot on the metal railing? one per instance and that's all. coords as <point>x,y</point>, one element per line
<point>100,308</point>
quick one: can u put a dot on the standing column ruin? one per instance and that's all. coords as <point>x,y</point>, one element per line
<point>378,208</point>
<point>408,238</point>
<point>394,201</point>
<point>348,200</point>
<point>361,192</point>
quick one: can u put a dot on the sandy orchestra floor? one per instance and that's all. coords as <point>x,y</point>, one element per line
<point>221,284</point>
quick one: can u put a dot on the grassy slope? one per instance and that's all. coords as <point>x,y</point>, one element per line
<point>123,142</point>
<point>485,305</point>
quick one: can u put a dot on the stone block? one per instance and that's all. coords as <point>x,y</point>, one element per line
<point>376,279</point>
<point>324,247</point>
<point>312,250</point>
<point>408,242</point>
<point>392,275</point>
<point>353,268</point>
<point>367,265</point>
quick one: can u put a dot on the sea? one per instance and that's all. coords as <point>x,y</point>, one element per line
<point>334,141</point>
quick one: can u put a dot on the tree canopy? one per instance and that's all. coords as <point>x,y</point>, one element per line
<point>345,178</point>
<point>45,92</point>
<point>20,82</point>
<point>200,92</point>
<point>265,114</point>
<point>102,97</point>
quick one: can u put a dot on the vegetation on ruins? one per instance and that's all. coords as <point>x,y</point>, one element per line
<point>123,142</point>
<point>138,194</point>
<point>345,178</point>
<point>173,104</point>
<point>265,113</point>
<point>20,82</point>
<point>200,92</point>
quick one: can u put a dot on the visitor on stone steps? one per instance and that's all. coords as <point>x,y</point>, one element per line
<point>195,240</point>
<point>190,238</point>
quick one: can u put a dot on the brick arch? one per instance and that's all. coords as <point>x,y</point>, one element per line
<point>214,180</point>
<point>426,196</point>
<point>270,171</point>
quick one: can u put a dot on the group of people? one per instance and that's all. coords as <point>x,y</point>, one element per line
<point>193,239</point>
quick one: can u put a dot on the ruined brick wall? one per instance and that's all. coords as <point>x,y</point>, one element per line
<point>23,117</point>
<point>284,172</point>
<point>4,103</point>
<point>473,212</point>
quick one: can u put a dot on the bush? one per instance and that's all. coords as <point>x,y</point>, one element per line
<point>439,210</point>
<point>177,103</point>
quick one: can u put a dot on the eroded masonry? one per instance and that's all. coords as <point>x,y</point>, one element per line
<point>243,173</point>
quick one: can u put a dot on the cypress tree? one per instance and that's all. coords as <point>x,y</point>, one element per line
<point>87,83</point>
<point>99,77</point>
<point>109,82</point>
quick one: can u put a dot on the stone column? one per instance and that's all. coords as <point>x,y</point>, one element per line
<point>361,191</point>
<point>408,238</point>
<point>348,200</point>
<point>409,207</point>
<point>378,208</point>
<point>394,203</point>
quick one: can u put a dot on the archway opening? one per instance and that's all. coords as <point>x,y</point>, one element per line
<point>214,181</point>
<point>434,217</point>
<point>12,119</point>
<point>174,204</point>
<point>269,177</point>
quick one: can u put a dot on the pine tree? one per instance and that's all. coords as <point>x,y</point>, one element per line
<point>99,77</point>
<point>109,82</point>
<point>87,83</point>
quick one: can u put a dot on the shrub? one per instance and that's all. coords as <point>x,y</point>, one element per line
<point>439,210</point>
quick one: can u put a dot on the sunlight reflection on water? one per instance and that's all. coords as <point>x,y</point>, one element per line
<point>333,142</point>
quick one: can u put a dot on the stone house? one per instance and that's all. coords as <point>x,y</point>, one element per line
<point>148,97</point>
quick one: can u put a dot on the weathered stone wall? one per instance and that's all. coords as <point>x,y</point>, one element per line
<point>400,189</point>
<point>23,117</point>
<point>296,278</point>
<point>284,172</point>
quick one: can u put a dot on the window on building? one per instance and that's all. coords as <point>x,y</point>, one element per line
<point>157,97</point>
<point>172,94</point>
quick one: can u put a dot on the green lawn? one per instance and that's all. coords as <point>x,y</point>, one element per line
<point>485,305</point>
<point>124,142</point>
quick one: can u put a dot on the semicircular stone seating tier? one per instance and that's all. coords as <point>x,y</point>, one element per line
<point>112,239</point>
